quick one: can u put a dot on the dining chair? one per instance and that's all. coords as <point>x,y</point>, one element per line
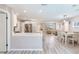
<point>75,37</point>
<point>72,39</point>
<point>78,38</point>
<point>61,37</point>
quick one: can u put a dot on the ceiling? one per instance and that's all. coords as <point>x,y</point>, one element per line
<point>45,11</point>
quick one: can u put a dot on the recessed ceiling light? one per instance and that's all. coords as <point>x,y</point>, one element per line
<point>25,11</point>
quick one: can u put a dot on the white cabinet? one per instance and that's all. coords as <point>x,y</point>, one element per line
<point>24,41</point>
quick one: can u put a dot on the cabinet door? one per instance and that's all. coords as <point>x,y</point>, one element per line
<point>2,32</point>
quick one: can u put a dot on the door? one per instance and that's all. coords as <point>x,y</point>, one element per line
<point>3,32</point>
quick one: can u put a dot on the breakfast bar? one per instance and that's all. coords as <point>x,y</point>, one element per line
<point>25,41</point>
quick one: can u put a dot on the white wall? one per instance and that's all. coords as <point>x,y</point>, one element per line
<point>35,26</point>
<point>14,19</point>
<point>66,26</point>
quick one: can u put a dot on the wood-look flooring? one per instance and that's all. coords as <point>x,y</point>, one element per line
<point>53,46</point>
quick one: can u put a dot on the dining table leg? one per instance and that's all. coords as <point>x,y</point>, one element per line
<point>65,39</point>
<point>73,43</point>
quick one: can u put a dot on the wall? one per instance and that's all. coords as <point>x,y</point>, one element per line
<point>15,19</point>
<point>35,26</point>
<point>66,26</point>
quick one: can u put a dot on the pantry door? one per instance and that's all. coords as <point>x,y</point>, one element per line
<point>3,30</point>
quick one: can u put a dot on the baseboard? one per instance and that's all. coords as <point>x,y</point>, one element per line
<point>25,49</point>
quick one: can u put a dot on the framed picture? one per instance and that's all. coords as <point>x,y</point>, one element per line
<point>17,29</point>
<point>28,28</point>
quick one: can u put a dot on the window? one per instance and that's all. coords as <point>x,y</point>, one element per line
<point>51,25</point>
<point>76,24</point>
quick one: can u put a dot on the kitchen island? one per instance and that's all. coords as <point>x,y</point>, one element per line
<point>27,41</point>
